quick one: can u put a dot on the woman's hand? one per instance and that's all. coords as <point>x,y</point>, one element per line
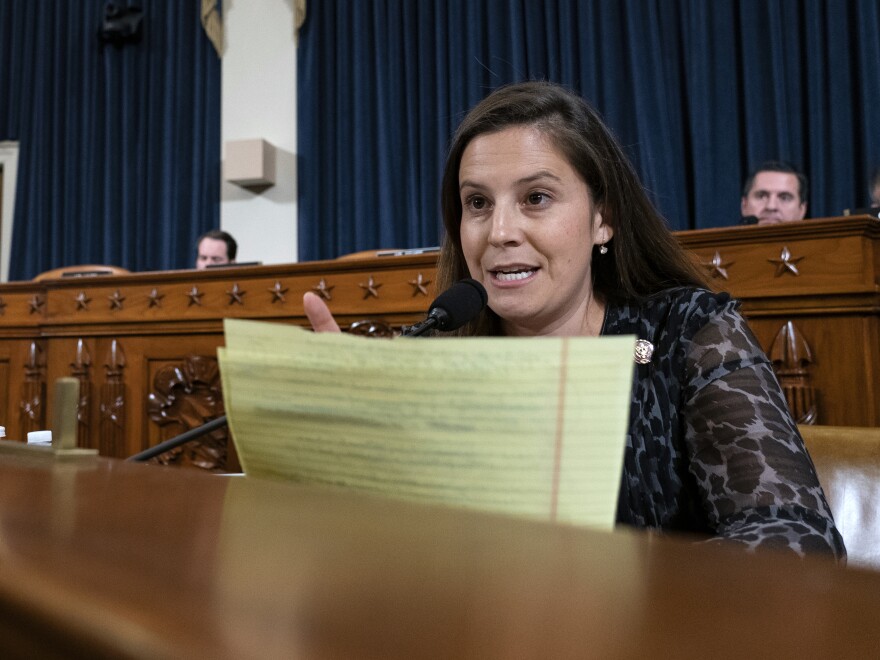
<point>319,314</point>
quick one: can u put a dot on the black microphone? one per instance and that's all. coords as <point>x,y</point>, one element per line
<point>452,309</point>
<point>749,220</point>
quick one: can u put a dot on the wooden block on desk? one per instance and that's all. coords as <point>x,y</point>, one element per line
<point>63,428</point>
<point>65,414</point>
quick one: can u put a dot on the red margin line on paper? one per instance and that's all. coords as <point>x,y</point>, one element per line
<point>560,426</point>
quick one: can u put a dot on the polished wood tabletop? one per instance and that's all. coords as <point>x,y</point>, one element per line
<point>102,558</point>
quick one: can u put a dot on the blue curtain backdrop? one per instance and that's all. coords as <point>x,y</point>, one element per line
<point>698,92</point>
<point>119,148</point>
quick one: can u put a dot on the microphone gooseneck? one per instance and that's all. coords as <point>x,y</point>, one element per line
<point>452,308</point>
<point>178,440</point>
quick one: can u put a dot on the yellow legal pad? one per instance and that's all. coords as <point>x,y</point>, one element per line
<point>532,427</point>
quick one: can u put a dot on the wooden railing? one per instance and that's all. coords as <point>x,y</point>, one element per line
<point>143,345</point>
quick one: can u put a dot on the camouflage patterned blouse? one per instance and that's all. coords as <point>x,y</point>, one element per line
<point>712,447</point>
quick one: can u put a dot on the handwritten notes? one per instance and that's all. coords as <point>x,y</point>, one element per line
<point>533,427</point>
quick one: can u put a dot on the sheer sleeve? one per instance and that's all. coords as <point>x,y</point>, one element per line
<point>758,483</point>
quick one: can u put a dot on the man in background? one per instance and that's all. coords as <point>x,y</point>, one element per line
<point>215,248</point>
<point>774,192</point>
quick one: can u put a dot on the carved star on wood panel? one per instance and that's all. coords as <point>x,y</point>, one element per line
<point>236,296</point>
<point>371,288</point>
<point>155,298</point>
<point>195,296</point>
<point>36,304</point>
<point>420,285</point>
<point>717,267</point>
<point>277,292</point>
<point>116,300</point>
<point>786,263</point>
<point>82,301</point>
<point>324,290</point>
<point>2,306</point>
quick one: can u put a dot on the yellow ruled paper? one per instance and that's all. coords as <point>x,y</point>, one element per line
<point>534,426</point>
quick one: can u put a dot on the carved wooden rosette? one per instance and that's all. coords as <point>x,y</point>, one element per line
<point>791,357</point>
<point>185,396</point>
<point>80,369</point>
<point>112,405</point>
<point>33,391</point>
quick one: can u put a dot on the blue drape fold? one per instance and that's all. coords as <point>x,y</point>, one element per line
<point>119,147</point>
<point>697,92</point>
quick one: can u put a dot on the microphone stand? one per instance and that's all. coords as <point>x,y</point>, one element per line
<point>421,327</point>
<point>178,440</point>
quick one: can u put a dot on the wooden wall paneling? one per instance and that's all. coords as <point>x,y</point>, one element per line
<point>73,357</point>
<point>818,257</point>
<point>849,370</point>
<point>173,319</point>
<point>32,394</point>
<point>114,401</point>
<point>115,407</point>
<point>792,359</point>
<point>81,369</point>
<point>841,372</point>
<point>823,276</point>
<point>870,366</point>
<point>22,315</point>
<point>180,379</point>
<point>17,351</point>
<point>5,377</point>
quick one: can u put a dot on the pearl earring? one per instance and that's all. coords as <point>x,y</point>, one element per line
<point>603,249</point>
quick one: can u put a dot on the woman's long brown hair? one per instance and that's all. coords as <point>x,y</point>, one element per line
<point>643,257</point>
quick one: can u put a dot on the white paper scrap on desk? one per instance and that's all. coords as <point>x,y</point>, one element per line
<point>526,426</point>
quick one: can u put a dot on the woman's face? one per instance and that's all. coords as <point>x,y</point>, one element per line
<point>528,227</point>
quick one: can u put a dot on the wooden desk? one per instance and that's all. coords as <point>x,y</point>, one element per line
<point>811,292</point>
<point>110,559</point>
<point>144,345</point>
